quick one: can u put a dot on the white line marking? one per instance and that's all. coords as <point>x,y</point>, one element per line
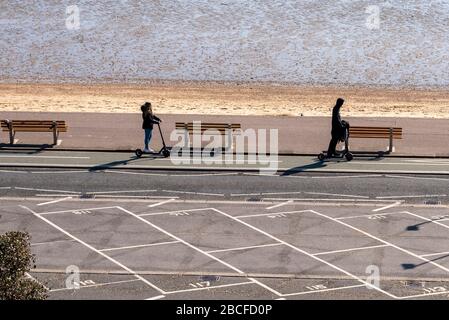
<point>12,171</point>
<point>416,178</point>
<point>34,189</point>
<point>307,253</point>
<point>93,249</point>
<point>161,203</point>
<point>273,193</point>
<point>120,191</point>
<point>333,176</point>
<point>51,242</point>
<point>62,171</point>
<point>428,160</point>
<point>108,196</point>
<point>155,298</point>
<point>97,285</point>
<point>435,254</point>
<point>199,250</point>
<point>336,194</point>
<point>42,157</point>
<point>72,210</point>
<point>139,246</point>
<point>269,214</point>
<point>168,212</point>
<point>191,192</point>
<point>430,220</point>
<point>388,207</point>
<point>424,295</point>
<point>328,199</point>
<point>212,287</point>
<point>368,215</point>
<point>352,249</point>
<point>136,173</point>
<point>414,196</point>
<point>54,201</point>
<point>35,280</point>
<point>244,194</point>
<point>5,188</point>
<point>245,248</point>
<point>383,241</point>
<point>279,205</point>
<point>204,174</point>
<point>324,290</point>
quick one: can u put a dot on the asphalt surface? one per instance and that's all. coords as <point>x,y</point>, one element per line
<point>95,161</point>
<point>139,234</point>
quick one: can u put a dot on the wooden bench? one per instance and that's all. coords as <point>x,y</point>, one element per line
<point>376,133</point>
<point>223,128</point>
<point>14,126</point>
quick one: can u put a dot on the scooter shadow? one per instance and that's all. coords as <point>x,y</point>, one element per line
<point>316,165</point>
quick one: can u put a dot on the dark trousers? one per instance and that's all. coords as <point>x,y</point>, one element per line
<point>332,146</point>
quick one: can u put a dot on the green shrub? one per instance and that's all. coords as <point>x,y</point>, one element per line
<point>16,260</point>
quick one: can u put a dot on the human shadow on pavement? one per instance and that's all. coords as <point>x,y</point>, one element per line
<point>408,266</point>
<point>315,165</point>
<point>124,162</point>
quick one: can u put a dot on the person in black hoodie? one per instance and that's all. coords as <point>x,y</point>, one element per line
<point>149,119</point>
<point>338,128</point>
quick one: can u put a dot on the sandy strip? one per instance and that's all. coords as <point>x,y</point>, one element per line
<point>228,99</point>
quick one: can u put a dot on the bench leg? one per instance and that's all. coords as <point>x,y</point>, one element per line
<point>390,148</point>
<point>55,133</point>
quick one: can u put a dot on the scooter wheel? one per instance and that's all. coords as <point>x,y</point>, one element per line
<point>321,156</point>
<point>166,153</point>
<point>349,156</point>
<point>139,153</point>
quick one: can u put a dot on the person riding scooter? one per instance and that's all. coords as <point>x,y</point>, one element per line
<point>339,128</point>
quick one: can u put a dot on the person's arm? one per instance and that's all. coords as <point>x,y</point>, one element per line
<point>157,118</point>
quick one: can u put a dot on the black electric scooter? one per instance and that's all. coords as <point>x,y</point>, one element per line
<point>164,150</point>
<point>344,154</point>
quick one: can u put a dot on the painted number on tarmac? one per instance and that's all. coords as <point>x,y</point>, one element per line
<point>81,212</point>
<point>274,216</point>
<point>377,217</point>
<point>316,287</point>
<point>86,283</point>
<point>435,289</point>
<point>201,284</point>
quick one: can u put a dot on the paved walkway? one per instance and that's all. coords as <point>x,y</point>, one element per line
<point>297,135</point>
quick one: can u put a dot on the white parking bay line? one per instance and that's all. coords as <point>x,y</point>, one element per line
<point>93,249</point>
<point>54,201</point>
<point>280,204</point>
<point>246,248</point>
<point>307,253</point>
<point>160,203</point>
<point>140,246</point>
<point>324,290</point>
<point>200,251</point>
<point>351,249</point>
<point>156,297</point>
<point>387,207</point>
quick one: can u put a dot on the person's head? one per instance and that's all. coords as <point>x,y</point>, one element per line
<point>340,102</point>
<point>146,107</point>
